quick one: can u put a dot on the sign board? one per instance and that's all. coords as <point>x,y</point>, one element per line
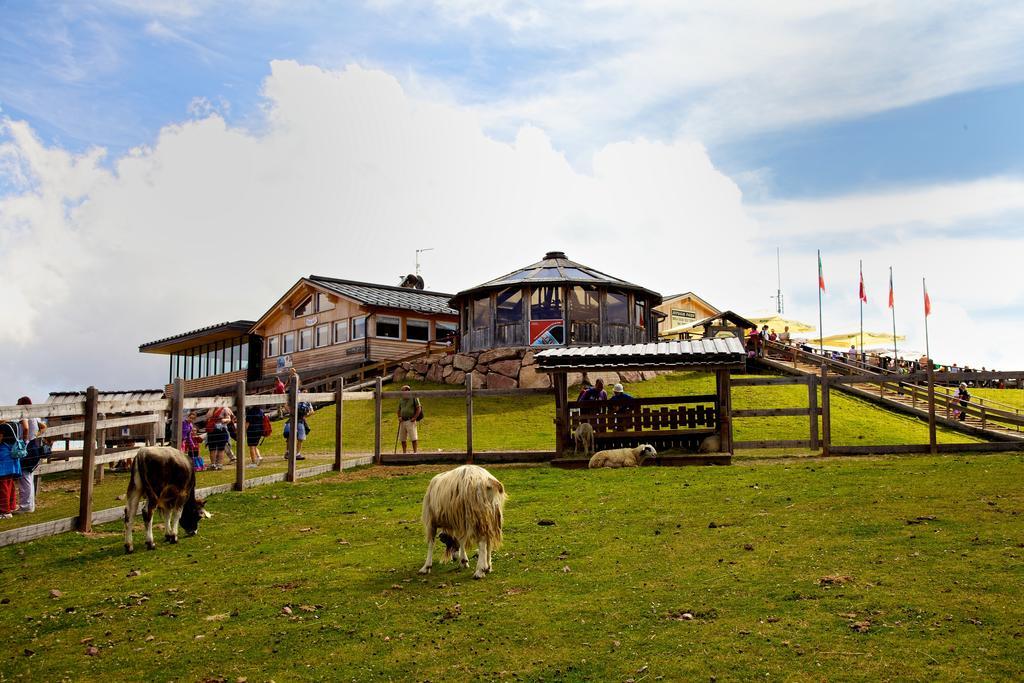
<point>547,332</point>
<point>283,362</point>
<point>311,321</point>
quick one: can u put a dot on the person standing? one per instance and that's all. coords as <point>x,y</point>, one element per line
<point>31,429</point>
<point>596,392</point>
<point>254,433</point>
<point>217,436</point>
<point>409,412</point>
<point>190,441</point>
<point>963,398</point>
<point>10,469</point>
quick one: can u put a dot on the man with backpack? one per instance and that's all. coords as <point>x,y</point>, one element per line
<point>410,412</point>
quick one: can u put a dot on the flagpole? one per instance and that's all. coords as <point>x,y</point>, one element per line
<point>895,353</point>
<point>821,338</point>
<point>927,348</point>
<point>860,297</point>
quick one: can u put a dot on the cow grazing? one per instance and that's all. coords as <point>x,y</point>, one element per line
<point>165,477</point>
<point>466,505</point>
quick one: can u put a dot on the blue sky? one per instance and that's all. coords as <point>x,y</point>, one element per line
<point>877,131</point>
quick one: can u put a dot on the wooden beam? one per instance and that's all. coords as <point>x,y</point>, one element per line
<point>469,416</point>
<point>88,461</point>
<point>774,412</point>
<point>826,413</point>
<point>813,411</point>
<point>779,443</point>
<point>932,437</point>
<point>767,381</point>
<point>242,456</point>
<point>339,413</point>
<point>292,450</point>
<point>177,412</point>
<point>377,418</point>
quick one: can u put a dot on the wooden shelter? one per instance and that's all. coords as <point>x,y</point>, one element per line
<point>555,302</point>
<point>723,324</point>
<point>680,422</point>
<point>683,309</point>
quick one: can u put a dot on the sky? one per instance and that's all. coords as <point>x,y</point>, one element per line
<point>172,164</point>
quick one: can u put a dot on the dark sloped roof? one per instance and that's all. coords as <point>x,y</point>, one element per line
<point>734,318</point>
<point>240,326</point>
<point>698,353</point>
<point>386,296</point>
<point>556,267</point>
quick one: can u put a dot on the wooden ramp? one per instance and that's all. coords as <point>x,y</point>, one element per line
<point>984,419</point>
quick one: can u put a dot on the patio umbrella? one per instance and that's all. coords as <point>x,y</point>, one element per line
<point>871,340</point>
<point>778,323</point>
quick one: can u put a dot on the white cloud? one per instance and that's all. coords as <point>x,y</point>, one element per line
<point>348,177</point>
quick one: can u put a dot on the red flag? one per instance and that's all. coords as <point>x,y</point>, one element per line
<point>863,294</point>
<point>927,303</point>
<point>821,276</point>
<point>892,296</point>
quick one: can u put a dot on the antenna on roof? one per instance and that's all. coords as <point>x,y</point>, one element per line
<point>779,307</point>
<point>418,252</point>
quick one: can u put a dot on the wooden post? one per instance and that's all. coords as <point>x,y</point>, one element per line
<point>932,439</point>
<point>723,386</point>
<point>101,449</point>
<point>338,423</point>
<point>243,437</point>
<point>88,461</point>
<point>826,414</point>
<point>558,382</point>
<point>177,412</point>
<point>378,409</point>
<point>293,428</point>
<point>812,406</point>
<point>469,417</point>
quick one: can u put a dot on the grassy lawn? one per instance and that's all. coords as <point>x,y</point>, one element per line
<point>522,423</point>
<point>854,569</point>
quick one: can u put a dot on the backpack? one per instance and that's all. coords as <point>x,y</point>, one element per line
<point>268,429</point>
<point>304,409</point>
<point>214,419</point>
<point>420,416</point>
<point>19,449</point>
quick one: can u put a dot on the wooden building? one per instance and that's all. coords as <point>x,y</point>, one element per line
<point>326,326</point>
<point>321,326</point>
<point>721,324</point>
<point>555,302</point>
<point>683,309</point>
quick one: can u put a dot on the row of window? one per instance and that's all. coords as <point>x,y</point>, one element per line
<point>354,329</point>
<point>207,360</point>
<point>546,303</point>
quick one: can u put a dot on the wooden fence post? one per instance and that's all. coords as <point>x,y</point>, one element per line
<point>469,417</point>
<point>826,414</point>
<point>558,381</point>
<point>812,407</point>
<point>723,381</point>
<point>338,424</point>
<point>88,461</point>
<point>101,449</point>
<point>243,438</point>
<point>378,416</point>
<point>293,428</point>
<point>177,412</point>
<point>932,439</point>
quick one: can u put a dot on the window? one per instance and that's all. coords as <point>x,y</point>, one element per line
<point>443,330</point>
<point>323,335</point>
<point>482,312</point>
<point>617,308</point>
<point>324,303</point>
<point>288,343</point>
<point>546,303</point>
<point>305,339</point>
<point>243,350</point>
<point>584,315</point>
<point>273,346</point>
<point>305,308</point>
<point>359,327</point>
<point>640,313</point>
<point>417,330</point>
<point>509,303</point>
<point>341,331</point>
<point>389,327</point>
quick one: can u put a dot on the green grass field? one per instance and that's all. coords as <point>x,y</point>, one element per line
<point>522,423</point>
<point>843,569</point>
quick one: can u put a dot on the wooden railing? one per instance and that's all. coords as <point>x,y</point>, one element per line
<point>640,417</point>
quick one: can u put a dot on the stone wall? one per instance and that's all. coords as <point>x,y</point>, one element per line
<point>505,368</point>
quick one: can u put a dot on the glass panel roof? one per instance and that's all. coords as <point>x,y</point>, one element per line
<point>577,274</point>
<point>546,274</point>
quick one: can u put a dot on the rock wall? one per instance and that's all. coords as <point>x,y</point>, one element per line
<point>505,368</point>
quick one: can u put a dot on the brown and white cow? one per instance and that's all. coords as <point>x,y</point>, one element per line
<point>164,475</point>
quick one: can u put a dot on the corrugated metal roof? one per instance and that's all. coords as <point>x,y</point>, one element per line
<point>242,326</point>
<point>385,296</point>
<point>556,267</point>
<point>664,354</point>
<point>61,397</point>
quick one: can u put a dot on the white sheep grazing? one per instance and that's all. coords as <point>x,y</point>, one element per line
<point>466,505</point>
<point>583,434</point>
<point>623,457</point>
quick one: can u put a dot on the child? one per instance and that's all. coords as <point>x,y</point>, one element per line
<point>190,442</point>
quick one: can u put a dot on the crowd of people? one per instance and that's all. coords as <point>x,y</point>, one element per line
<point>21,448</point>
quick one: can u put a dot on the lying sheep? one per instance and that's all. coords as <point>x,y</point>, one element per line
<point>583,434</point>
<point>623,457</point>
<point>712,444</point>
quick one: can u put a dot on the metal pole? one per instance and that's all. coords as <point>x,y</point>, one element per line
<point>895,353</point>
<point>927,347</point>
<point>860,298</point>
<point>821,338</point>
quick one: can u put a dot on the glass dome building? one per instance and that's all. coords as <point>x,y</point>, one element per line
<point>555,302</point>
